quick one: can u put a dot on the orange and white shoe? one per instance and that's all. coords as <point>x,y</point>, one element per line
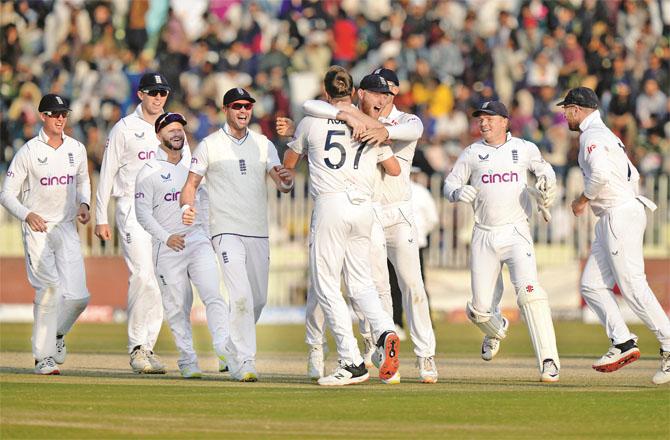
<point>46,366</point>
<point>618,356</point>
<point>385,357</point>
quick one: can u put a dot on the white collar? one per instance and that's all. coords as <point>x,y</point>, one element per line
<point>590,119</point>
<point>44,138</point>
<point>395,113</point>
<point>508,136</point>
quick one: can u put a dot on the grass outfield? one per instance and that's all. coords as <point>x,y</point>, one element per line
<point>98,397</point>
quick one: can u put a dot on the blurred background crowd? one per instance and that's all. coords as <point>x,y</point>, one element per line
<point>449,55</point>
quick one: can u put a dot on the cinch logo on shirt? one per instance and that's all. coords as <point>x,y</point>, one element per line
<point>57,180</point>
<point>194,160</point>
<point>500,177</point>
<point>139,195</point>
<point>172,196</point>
<point>146,155</point>
<point>10,173</point>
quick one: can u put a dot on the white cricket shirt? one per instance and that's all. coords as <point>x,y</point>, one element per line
<point>52,182</point>
<point>337,163</point>
<point>500,174</point>
<point>157,191</point>
<point>610,178</point>
<point>132,141</point>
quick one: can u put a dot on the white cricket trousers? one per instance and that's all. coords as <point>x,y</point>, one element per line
<point>245,264</point>
<point>145,309</point>
<point>491,248</point>
<point>55,269</point>
<point>394,237</point>
<point>340,245</point>
<point>617,257</point>
<point>175,271</point>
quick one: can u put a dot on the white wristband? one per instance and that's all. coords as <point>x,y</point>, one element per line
<point>285,186</point>
<point>184,208</point>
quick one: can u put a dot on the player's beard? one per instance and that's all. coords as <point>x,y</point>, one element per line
<point>175,143</point>
<point>573,126</point>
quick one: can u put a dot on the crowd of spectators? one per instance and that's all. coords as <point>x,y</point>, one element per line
<point>449,55</point>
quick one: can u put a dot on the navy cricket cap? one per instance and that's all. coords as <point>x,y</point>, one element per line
<point>168,118</point>
<point>388,74</point>
<point>581,96</point>
<point>237,94</point>
<point>53,103</point>
<point>493,108</point>
<point>153,81</point>
<point>375,83</point>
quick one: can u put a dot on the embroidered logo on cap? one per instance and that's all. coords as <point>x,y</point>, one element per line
<point>60,101</point>
<point>158,79</point>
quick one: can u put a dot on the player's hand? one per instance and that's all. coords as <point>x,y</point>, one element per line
<point>103,232</point>
<point>285,175</point>
<point>188,216</point>
<point>375,136</point>
<point>579,205</point>
<point>83,214</point>
<point>36,223</point>
<point>176,242</point>
<point>466,194</point>
<point>356,125</point>
<point>285,127</point>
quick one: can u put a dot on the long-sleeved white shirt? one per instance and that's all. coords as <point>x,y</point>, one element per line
<point>500,174</point>
<point>157,191</point>
<point>610,178</point>
<point>404,131</point>
<point>337,163</point>
<point>132,141</point>
<point>51,182</point>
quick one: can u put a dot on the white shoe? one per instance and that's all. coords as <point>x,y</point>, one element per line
<point>345,375</point>
<point>370,347</point>
<point>427,369</point>
<point>157,366</point>
<point>61,350</point>
<point>385,357</point>
<point>663,374</point>
<point>618,356</point>
<point>549,371</point>
<point>401,333</point>
<point>139,362</point>
<point>316,368</point>
<point>46,366</point>
<point>247,372</point>
<point>190,371</point>
<point>490,345</point>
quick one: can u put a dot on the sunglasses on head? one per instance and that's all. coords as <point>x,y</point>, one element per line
<point>56,114</point>
<point>238,106</point>
<point>153,93</point>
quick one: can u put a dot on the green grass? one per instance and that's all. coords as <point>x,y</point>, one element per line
<point>472,400</point>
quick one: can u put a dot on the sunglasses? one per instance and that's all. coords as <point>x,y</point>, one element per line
<point>154,93</point>
<point>238,106</point>
<point>56,114</point>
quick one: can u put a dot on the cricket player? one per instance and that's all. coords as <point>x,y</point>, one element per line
<point>236,161</point>
<point>491,174</point>
<point>342,183</point>
<point>182,254</point>
<point>611,188</point>
<point>132,141</point>
<point>47,187</point>
<point>394,235</point>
